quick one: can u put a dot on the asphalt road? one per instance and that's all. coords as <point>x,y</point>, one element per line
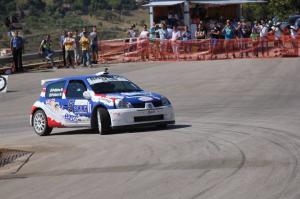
<point>237,136</point>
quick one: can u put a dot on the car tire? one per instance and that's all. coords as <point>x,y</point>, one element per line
<point>40,123</point>
<point>103,121</point>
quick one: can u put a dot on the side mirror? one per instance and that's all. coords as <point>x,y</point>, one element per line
<point>87,95</point>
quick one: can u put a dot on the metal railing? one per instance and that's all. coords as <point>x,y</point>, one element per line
<point>28,58</point>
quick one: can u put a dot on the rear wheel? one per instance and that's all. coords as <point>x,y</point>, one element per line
<point>103,121</point>
<point>40,123</point>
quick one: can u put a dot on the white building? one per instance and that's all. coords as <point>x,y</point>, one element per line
<point>188,10</point>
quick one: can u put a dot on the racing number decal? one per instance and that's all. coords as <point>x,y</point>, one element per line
<point>3,83</point>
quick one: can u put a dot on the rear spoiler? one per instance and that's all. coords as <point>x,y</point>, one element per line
<point>44,81</point>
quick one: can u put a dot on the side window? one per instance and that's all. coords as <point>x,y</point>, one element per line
<point>55,90</point>
<point>75,89</point>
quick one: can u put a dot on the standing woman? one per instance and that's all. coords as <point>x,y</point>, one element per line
<point>17,48</point>
<point>201,32</point>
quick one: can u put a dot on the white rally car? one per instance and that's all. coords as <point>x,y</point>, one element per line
<point>102,101</point>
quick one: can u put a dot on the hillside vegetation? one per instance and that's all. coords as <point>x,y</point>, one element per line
<point>38,17</point>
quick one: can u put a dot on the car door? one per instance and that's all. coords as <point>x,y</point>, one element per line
<point>78,108</point>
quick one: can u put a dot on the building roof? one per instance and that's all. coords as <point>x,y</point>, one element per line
<point>216,2</point>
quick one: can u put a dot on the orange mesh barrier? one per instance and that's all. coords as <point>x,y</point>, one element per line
<point>116,51</point>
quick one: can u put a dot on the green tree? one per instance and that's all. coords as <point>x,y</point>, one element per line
<point>273,8</point>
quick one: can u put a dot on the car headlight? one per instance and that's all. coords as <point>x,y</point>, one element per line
<point>122,104</point>
<point>165,101</point>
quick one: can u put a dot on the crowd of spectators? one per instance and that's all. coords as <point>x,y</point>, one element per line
<point>78,48</point>
<point>227,31</point>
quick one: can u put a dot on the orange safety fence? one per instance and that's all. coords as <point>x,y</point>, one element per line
<point>126,50</point>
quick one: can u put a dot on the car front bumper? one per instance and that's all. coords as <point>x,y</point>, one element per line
<point>141,116</point>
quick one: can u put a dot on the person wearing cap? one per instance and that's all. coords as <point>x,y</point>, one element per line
<point>85,47</point>
<point>69,44</point>
<point>17,48</point>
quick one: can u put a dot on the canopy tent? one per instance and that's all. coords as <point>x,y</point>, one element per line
<point>163,3</point>
<point>226,2</point>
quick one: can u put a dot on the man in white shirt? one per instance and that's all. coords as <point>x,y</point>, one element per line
<point>144,43</point>
<point>174,40</point>
<point>264,31</point>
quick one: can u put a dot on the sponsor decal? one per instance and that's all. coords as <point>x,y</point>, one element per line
<point>100,79</point>
<point>145,99</point>
<point>53,123</point>
<point>55,92</point>
<point>3,84</point>
<point>149,106</point>
<point>70,117</point>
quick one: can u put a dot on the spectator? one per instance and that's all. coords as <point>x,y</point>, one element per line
<point>264,30</point>
<point>77,50</point>
<point>144,43</point>
<point>69,44</point>
<point>186,36</point>
<point>215,36</point>
<point>228,35</point>
<point>84,31</point>
<point>144,33</point>
<point>152,32</point>
<point>17,48</point>
<point>85,47</point>
<point>254,37</point>
<point>46,49</point>
<point>163,37</point>
<point>201,32</point>
<point>170,31</point>
<point>94,45</point>
<point>174,41</point>
<point>132,34</point>
<point>294,38</point>
<point>277,34</point>
<point>243,32</point>
<point>62,46</point>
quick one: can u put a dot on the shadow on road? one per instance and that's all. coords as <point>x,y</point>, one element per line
<point>123,131</point>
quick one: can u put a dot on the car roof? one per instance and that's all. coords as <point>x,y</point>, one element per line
<point>83,77</point>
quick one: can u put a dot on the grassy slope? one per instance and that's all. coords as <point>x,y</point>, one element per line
<point>111,25</point>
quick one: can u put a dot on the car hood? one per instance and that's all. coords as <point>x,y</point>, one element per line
<point>136,97</point>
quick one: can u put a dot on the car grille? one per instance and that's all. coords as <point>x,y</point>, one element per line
<point>142,104</point>
<point>148,118</point>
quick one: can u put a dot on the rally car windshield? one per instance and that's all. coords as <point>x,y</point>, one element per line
<point>115,87</point>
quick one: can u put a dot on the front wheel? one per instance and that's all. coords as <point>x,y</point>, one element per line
<point>103,121</point>
<point>40,123</point>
